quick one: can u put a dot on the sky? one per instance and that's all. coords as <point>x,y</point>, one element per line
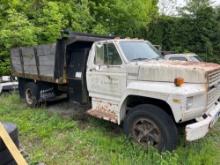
<point>167,7</point>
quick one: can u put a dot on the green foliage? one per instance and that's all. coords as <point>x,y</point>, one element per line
<point>49,22</point>
<point>15,32</point>
<point>5,66</point>
<point>197,30</point>
<point>125,18</point>
<point>18,30</point>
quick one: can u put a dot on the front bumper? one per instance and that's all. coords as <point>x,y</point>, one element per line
<point>201,128</point>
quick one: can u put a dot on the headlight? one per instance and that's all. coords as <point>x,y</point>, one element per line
<point>189,102</point>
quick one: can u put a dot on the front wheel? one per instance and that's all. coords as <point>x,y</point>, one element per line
<point>151,126</point>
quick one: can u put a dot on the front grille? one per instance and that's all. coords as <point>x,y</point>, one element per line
<point>214,78</point>
<point>214,88</point>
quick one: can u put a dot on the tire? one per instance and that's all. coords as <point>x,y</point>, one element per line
<point>32,94</point>
<point>6,157</point>
<point>149,125</point>
<point>21,87</point>
<point>13,133</point>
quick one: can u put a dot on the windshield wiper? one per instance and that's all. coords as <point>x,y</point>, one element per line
<point>140,59</point>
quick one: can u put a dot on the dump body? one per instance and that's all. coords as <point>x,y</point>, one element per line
<point>36,62</point>
<point>48,62</point>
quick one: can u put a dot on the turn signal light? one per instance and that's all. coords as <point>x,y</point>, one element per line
<point>179,81</point>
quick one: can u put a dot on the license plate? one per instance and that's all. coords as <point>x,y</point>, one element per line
<point>217,116</point>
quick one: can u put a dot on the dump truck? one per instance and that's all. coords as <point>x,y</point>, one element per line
<point>125,81</point>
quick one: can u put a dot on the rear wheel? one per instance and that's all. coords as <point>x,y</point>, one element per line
<point>21,87</point>
<point>32,94</point>
<point>151,126</point>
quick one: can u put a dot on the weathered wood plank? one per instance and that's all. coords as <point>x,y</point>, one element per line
<point>30,65</point>
<point>46,56</point>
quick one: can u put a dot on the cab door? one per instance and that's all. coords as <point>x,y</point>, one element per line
<point>106,81</point>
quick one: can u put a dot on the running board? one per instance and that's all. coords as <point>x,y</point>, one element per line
<point>103,114</point>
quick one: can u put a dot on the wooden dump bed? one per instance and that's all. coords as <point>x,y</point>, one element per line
<point>47,62</point>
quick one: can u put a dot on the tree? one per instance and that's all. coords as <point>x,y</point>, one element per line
<point>16,31</point>
<point>49,22</point>
<point>204,22</point>
<point>193,6</point>
<point>195,29</point>
<point>124,17</point>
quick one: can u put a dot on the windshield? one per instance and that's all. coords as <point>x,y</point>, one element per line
<point>139,50</point>
<point>196,58</point>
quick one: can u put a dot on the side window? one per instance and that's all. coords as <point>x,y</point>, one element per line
<point>178,58</point>
<point>107,54</point>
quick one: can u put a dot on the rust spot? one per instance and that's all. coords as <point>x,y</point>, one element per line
<point>103,112</point>
<point>203,65</point>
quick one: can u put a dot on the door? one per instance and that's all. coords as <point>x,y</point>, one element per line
<point>107,77</point>
<point>76,75</point>
<point>106,81</point>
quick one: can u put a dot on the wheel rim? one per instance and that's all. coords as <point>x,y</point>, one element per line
<point>29,96</point>
<point>146,132</point>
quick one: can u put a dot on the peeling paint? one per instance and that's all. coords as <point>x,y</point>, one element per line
<point>103,111</point>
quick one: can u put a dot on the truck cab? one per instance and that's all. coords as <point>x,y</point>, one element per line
<point>127,82</point>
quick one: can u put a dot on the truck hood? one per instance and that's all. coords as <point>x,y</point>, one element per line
<point>167,71</point>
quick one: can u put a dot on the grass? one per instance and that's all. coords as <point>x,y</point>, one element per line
<point>54,140</point>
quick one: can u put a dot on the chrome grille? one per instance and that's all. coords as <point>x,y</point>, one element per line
<point>214,87</point>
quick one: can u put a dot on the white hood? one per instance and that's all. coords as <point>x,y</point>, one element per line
<point>167,71</point>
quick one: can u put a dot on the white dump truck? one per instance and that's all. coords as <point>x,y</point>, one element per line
<point>124,81</point>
